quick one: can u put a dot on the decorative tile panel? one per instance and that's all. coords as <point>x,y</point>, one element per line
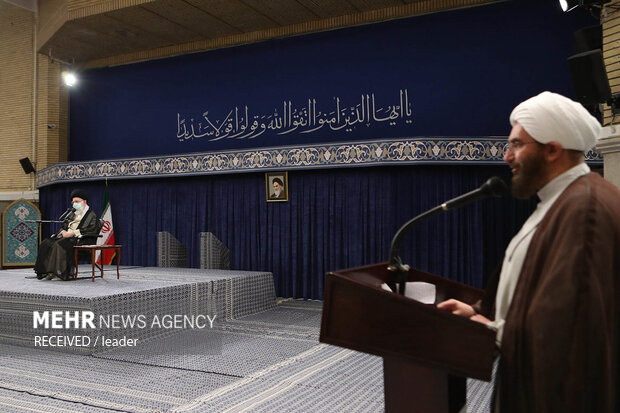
<point>20,234</point>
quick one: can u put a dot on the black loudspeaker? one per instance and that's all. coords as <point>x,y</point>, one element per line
<point>589,77</point>
<point>27,165</point>
<point>590,3</point>
<point>588,38</point>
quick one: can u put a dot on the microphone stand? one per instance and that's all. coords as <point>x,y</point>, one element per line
<point>42,221</point>
<point>63,219</point>
<point>398,272</point>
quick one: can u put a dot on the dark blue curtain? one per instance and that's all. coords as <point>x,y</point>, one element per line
<point>337,218</point>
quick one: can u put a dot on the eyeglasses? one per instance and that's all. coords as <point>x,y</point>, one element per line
<point>514,145</point>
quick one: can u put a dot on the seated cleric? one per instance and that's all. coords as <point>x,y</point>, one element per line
<point>55,259</point>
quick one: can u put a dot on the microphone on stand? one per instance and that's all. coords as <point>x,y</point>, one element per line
<point>65,214</point>
<point>399,271</point>
<point>492,187</point>
<point>65,217</point>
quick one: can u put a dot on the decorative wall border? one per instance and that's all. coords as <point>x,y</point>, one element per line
<point>437,150</point>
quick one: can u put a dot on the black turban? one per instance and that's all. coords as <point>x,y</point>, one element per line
<point>79,194</point>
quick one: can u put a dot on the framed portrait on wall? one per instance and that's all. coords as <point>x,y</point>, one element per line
<point>277,186</point>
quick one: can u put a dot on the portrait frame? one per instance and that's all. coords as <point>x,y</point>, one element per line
<point>280,178</point>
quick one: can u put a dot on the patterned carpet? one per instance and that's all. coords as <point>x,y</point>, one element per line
<point>150,292</point>
<point>266,362</point>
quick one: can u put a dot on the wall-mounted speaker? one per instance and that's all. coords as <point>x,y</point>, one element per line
<point>589,77</point>
<point>588,38</point>
<point>27,165</point>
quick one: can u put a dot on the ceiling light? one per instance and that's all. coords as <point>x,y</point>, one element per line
<point>69,78</point>
<point>568,5</point>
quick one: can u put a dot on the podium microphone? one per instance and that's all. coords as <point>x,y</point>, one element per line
<point>492,187</point>
<point>399,271</point>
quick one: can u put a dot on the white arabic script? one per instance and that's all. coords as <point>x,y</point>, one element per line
<point>240,124</point>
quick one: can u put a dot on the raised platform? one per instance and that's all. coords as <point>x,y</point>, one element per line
<point>271,361</point>
<point>145,303</point>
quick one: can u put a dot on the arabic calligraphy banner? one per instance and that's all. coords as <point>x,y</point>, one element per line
<point>455,73</point>
<point>239,123</point>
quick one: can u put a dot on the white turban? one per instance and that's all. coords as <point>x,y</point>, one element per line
<point>550,117</point>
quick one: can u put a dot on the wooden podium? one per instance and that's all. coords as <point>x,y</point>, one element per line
<point>427,353</point>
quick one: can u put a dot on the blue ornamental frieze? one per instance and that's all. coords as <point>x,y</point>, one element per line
<point>444,150</point>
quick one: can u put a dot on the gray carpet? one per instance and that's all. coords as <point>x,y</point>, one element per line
<point>150,292</point>
<point>266,362</point>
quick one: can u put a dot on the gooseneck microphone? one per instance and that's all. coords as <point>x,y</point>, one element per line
<point>492,187</point>
<point>65,214</point>
<point>64,220</point>
<point>399,271</point>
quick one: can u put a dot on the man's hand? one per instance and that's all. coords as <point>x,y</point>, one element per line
<point>480,319</point>
<point>66,234</point>
<point>457,307</point>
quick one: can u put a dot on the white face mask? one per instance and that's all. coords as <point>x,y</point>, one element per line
<point>77,206</point>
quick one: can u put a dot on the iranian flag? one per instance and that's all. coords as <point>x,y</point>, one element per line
<point>107,231</point>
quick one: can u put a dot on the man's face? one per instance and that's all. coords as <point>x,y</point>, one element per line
<point>527,161</point>
<point>277,188</point>
<point>79,200</point>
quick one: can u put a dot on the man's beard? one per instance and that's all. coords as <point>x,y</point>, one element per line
<point>276,192</point>
<point>527,181</point>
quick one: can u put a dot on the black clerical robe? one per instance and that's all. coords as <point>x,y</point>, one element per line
<point>55,255</point>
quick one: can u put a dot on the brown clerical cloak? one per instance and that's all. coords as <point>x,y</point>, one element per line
<point>561,337</point>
